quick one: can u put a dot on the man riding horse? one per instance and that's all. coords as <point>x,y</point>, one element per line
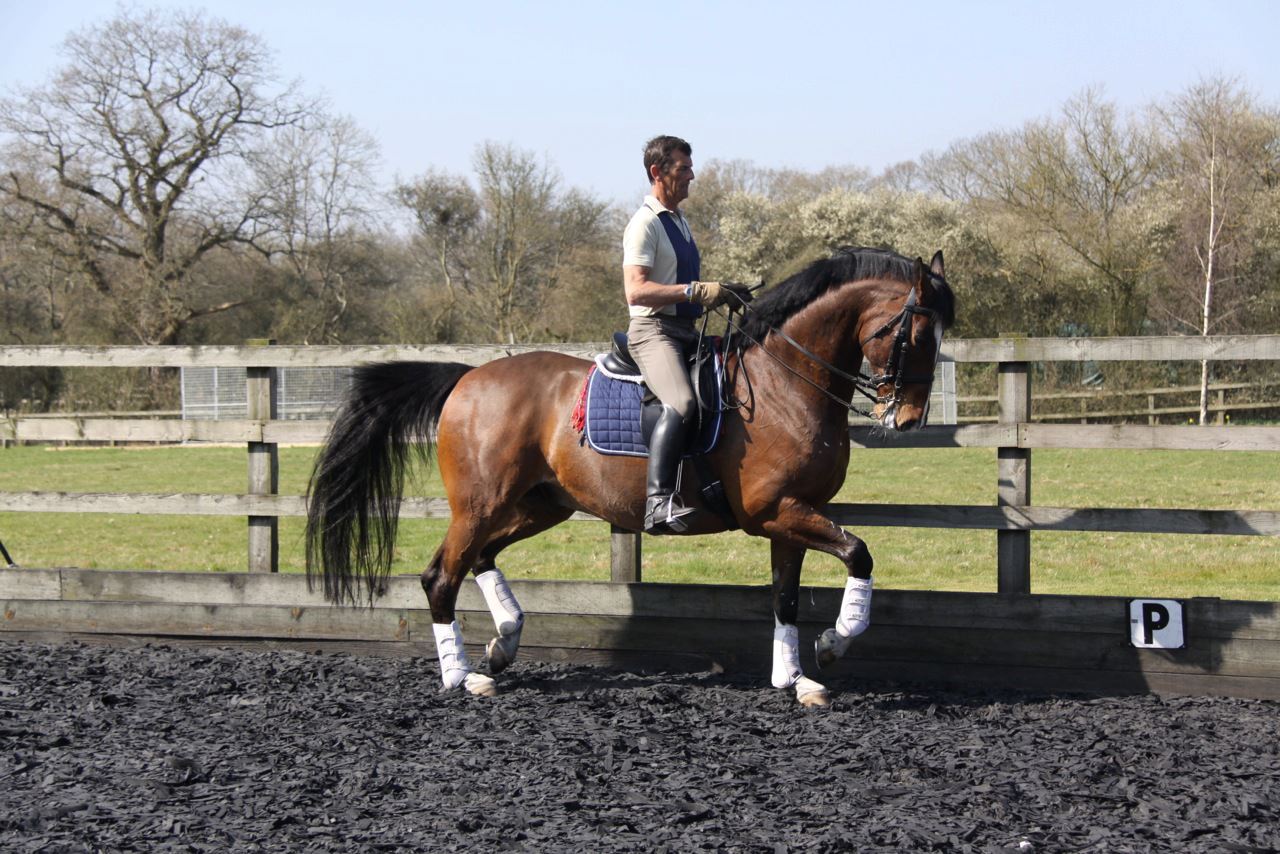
<point>660,270</point>
<point>513,464</point>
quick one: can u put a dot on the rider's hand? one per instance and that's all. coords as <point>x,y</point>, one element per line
<point>742,292</point>
<point>707,294</point>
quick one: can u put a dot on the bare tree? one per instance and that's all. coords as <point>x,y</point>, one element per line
<point>128,159</point>
<point>497,251</point>
<point>1221,146</point>
<point>316,192</point>
<point>520,232</point>
<point>1079,181</point>
<point>446,213</point>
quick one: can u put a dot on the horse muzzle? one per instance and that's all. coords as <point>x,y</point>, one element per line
<point>901,417</point>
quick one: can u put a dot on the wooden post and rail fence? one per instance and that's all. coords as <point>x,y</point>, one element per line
<point>1232,648</point>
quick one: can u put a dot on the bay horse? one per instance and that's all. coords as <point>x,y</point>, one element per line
<point>513,465</point>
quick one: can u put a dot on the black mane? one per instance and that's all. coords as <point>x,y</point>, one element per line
<point>851,264</point>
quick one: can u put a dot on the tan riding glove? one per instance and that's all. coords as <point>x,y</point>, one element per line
<point>707,294</point>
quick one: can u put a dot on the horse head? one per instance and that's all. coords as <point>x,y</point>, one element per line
<point>901,339</point>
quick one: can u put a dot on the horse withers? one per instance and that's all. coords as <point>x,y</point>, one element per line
<point>513,466</point>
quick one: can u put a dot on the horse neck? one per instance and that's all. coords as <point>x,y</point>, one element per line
<point>829,328</point>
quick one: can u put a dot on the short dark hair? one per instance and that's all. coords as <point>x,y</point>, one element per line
<point>661,150</point>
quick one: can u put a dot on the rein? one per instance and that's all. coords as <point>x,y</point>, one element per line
<point>864,384</point>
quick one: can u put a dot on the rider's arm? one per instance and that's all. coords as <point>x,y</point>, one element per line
<point>641,291</point>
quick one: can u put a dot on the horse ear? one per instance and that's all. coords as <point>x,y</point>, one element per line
<point>935,266</point>
<point>923,286</point>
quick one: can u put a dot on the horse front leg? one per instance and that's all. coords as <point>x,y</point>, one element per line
<point>799,523</point>
<point>787,673</point>
<point>854,618</point>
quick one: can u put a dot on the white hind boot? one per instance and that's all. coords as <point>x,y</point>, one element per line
<point>455,670</point>
<point>508,618</point>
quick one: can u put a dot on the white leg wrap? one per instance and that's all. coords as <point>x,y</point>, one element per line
<point>786,655</point>
<point>507,615</point>
<point>855,610</point>
<point>786,667</point>
<point>454,666</point>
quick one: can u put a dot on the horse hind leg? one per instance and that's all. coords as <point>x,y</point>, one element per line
<point>508,618</point>
<point>440,581</point>
<point>534,516</point>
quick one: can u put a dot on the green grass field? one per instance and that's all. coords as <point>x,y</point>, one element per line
<point>906,558</point>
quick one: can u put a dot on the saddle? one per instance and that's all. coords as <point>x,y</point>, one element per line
<point>704,375</point>
<point>616,412</point>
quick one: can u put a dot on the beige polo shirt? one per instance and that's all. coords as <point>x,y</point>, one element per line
<point>645,244</point>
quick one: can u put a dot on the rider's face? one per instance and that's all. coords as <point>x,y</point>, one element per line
<point>676,179</point>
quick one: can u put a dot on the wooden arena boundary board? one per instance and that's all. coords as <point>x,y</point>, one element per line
<point>1036,642</point>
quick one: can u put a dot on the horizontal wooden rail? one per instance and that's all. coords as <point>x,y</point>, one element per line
<point>1134,349</point>
<point>991,518</point>
<point>1153,437</point>
<point>161,430</point>
<point>141,414</point>
<point>1125,436</point>
<point>198,504</point>
<point>275,356</point>
<point>1153,411</point>
<point>1227,348</point>
<point>1095,394</point>
<point>1147,412</point>
<point>129,430</point>
<point>1037,518</point>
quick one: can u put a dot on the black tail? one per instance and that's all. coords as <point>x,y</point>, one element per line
<point>353,500</point>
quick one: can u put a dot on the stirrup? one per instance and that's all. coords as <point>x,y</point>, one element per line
<point>666,514</point>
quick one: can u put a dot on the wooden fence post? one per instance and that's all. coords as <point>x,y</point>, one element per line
<point>264,466</point>
<point>1013,548</point>
<point>624,555</point>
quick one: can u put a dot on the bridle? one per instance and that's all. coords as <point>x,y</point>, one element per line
<point>894,372</point>
<point>867,385</point>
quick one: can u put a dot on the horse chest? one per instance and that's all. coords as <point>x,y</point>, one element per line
<point>802,459</point>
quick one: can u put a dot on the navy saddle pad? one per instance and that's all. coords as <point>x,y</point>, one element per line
<point>613,406</point>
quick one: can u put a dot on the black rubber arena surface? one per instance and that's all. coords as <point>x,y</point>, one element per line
<point>182,749</point>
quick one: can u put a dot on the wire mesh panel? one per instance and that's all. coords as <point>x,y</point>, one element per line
<point>312,392</point>
<point>215,394</point>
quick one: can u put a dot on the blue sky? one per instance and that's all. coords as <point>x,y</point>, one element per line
<point>796,84</point>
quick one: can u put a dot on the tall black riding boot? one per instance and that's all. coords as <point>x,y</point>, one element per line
<point>663,512</point>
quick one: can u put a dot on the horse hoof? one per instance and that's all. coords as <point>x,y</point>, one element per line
<point>811,694</point>
<point>501,652</point>
<point>479,685</point>
<point>829,647</point>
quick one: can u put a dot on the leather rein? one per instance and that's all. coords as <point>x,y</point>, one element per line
<point>864,384</point>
